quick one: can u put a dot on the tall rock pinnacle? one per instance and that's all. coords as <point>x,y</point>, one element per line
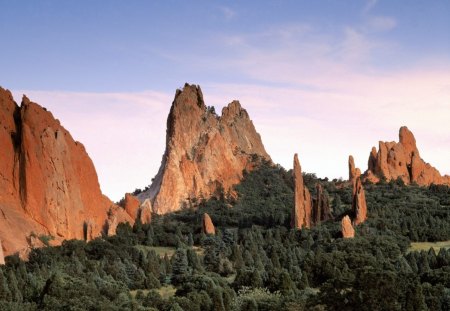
<point>353,172</point>
<point>301,213</point>
<point>321,206</point>
<point>48,183</point>
<point>402,160</point>
<point>205,153</point>
<point>359,205</point>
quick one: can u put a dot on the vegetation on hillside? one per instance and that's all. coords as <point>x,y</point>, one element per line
<point>255,262</point>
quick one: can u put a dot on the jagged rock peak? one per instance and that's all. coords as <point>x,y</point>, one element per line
<point>207,225</point>
<point>402,161</point>
<point>347,228</point>
<point>301,213</point>
<point>359,205</point>
<point>205,153</point>
<point>48,183</point>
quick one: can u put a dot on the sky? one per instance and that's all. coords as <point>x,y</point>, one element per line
<point>323,79</point>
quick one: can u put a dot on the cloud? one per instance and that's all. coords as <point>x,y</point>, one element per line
<point>228,13</point>
<point>382,23</point>
<point>370,4</point>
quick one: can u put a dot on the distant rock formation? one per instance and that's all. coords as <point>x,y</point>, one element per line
<point>353,172</point>
<point>131,205</point>
<point>205,153</point>
<point>321,206</point>
<point>402,160</point>
<point>347,228</point>
<point>207,225</point>
<point>145,212</point>
<point>48,183</point>
<point>301,213</point>
<point>359,205</point>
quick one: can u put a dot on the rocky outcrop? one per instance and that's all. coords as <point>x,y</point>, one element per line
<point>48,183</point>
<point>301,213</point>
<point>321,207</point>
<point>347,228</point>
<point>207,225</point>
<point>145,212</point>
<point>402,160</point>
<point>359,205</point>
<point>353,172</point>
<point>131,204</point>
<point>205,153</point>
<point>2,257</point>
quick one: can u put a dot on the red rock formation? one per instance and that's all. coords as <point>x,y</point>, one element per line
<point>145,212</point>
<point>321,206</point>
<point>347,228</point>
<point>2,257</point>
<point>48,183</point>
<point>359,205</point>
<point>301,213</point>
<point>131,205</point>
<point>402,160</point>
<point>205,154</point>
<point>353,172</point>
<point>207,225</point>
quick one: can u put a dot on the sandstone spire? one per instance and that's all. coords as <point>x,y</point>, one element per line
<point>353,172</point>
<point>321,206</point>
<point>205,153</point>
<point>347,228</point>
<point>48,183</point>
<point>359,205</point>
<point>207,225</point>
<point>402,160</point>
<point>301,213</point>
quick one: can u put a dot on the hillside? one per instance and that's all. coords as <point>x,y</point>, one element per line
<point>254,261</point>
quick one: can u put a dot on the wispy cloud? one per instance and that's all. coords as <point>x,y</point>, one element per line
<point>227,12</point>
<point>382,23</point>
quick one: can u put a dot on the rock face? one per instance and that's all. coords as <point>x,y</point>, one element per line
<point>205,153</point>
<point>145,212</point>
<point>131,205</point>
<point>347,228</point>
<point>207,225</point>
<point>48,183</point>
<point>353,172</point>
<point>2,257</point>
<point>301,213</point>
<point>402,160</point>
<point>321,206</point>
<point>359,205</point>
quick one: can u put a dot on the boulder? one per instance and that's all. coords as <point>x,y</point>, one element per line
<point>347,228</point>
<point>207,225</point>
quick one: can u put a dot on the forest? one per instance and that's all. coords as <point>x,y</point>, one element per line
<point>255,261</point>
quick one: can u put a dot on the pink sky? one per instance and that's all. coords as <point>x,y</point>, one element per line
<point>124,133</point>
